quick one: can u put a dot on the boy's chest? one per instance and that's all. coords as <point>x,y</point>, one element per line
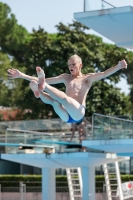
<point>76,83</point>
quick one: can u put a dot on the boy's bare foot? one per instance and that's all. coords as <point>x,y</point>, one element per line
<point>34,88</point>
<point>41,78</point>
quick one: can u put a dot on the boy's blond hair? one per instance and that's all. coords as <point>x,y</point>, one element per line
<point>75,57</point>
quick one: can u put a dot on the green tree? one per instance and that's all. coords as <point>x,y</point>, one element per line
<point>13,38</point>
<point>51,52</point>
<point>12,35</point>
<point>9,89</point>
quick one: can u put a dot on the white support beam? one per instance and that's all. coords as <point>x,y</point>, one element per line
<point>119,180</point>
<point>48,184</point>
<point>88,177</point>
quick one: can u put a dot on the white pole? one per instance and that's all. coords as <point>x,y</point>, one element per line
<point>48,184</point>
<point>21,189</point>
<point>88,177</point>
<point>86,5</point>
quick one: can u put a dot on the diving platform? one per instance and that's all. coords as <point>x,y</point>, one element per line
<point>108,142</point>
<point>63,160</point>
<point>85,161</point>
<point>124,146</point>
<point>113,23</point>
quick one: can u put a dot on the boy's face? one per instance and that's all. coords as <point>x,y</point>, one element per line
<point>74,66</point>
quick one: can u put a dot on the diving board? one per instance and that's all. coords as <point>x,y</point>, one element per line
<point>47,146</point>
<point>25,145</point>
<point>116,24</point>
<point>59,143</point>
<point>27,148</point>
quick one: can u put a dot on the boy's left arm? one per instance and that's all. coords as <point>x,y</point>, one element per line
<point>98,76</point>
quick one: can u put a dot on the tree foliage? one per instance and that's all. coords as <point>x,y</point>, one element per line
<point>12,35</point>
<point>51,52</point>
<point>8,88</point>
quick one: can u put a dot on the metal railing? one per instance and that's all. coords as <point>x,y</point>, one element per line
<point>103,1</point>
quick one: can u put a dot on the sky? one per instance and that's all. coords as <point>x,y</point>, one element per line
<point>48,13</point>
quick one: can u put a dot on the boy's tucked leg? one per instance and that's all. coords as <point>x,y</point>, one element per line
<point>75,110</point>
<point>34,88</point>
<point>59,109</point>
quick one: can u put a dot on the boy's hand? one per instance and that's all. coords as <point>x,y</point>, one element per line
<point>14,73</point>
<point>122,64</point>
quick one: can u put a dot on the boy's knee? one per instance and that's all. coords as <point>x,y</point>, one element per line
<point>64,100</point>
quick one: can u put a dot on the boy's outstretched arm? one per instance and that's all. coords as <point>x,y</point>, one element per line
<point>98,76</point>
<point>15,73</point>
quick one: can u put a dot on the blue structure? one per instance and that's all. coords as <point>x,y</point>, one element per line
<point>114,24</point>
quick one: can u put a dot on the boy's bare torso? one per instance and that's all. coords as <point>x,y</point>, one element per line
<point>77,87</point>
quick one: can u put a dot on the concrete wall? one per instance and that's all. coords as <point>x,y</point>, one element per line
<point>37,196</point>
<point>7,167</point>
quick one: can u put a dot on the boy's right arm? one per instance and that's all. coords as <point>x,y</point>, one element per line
<point>14,73</point>
<point>55,80</point>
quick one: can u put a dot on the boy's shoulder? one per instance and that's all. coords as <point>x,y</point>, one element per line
<point>89,74</point>
<point>65,75</point>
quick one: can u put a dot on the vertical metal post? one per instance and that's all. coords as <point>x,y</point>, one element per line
<point>86,5</point>
<point>21,189</point>
<point>24,190</point>
<point>102,5</point>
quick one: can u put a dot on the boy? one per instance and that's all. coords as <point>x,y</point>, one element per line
<point>69,106</point>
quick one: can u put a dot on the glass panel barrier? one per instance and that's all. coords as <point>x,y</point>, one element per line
<point>99,127</point>
<point>108,127</point>
<point>34,131</point>
<point>21,141</point>
<point>36,125</point>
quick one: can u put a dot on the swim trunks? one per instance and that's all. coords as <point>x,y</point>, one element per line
<point>71,120</point>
